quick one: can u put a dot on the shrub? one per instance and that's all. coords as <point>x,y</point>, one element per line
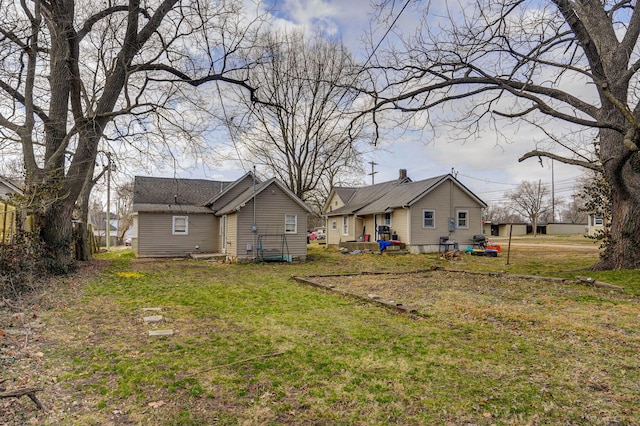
<point>22,265</point>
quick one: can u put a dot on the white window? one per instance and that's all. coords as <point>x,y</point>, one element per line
<point>598,220</point>
<point>334,225</point>
<point>428,219</point>
<point>345,225</point>
<point>290,224</point>
<point>463,219</point>
<point>180,225</point>
<point>387,219</point>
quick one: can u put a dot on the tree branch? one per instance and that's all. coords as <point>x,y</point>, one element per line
<point>586,164</point>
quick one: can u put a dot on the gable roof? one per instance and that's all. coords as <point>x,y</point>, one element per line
<point>12,187</point>
<point>230,187</point>
<point>168,194</point>
<point>240,201</point>
<point>387,196</point>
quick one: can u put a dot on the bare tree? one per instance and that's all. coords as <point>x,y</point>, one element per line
<point>575,210</point>
<point>531,201</point>
<point>70,68</point>
<point>501,213</point>
<point>304,141</point>
<point>568,67</point>
<point>124,208</point>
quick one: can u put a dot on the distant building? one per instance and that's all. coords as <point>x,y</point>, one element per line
<point>243,220</point>
<point>421,214</point>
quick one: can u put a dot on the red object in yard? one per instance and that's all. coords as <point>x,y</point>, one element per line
<point>396,242</point>
<point>367,237</point>
<point>496,248</point>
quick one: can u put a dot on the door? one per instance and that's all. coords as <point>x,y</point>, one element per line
<point>223,233</point>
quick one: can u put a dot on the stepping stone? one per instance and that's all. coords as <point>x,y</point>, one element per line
<point>160,332</point>
<point>153,318</point>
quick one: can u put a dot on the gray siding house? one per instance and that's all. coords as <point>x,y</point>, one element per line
<point>419,214</point>
<point>243,220</point>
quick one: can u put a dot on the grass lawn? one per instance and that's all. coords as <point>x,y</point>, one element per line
<point>253,346</point>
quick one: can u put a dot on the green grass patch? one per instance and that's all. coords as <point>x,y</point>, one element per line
<point>253,346</point>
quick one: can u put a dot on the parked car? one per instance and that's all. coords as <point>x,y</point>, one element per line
<point>316,235</point>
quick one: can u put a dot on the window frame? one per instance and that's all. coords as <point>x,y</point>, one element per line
<point>287,224</point>
<point>386,219</point>
<point>433,219</point>
<point>345,225</point>
<point>174,230</point>
<point>466,219</point>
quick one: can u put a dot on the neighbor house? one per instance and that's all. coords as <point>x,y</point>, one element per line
<point>242,220</point>
<point>7,187</point>
<point>595,224</point>
<point>420,214</point>
<point>8,212</point>
<point>98,221</point>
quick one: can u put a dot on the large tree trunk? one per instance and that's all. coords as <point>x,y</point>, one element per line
<point>622,248</point>
<point>56,232</point>
<point>621,169</point>
<point>82,244</point>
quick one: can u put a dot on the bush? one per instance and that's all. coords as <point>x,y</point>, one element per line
<point>22,266</point>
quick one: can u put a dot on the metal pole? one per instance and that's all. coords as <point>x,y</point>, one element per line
<point>553,195</point>
<point>108,222</point>
<point>509,245</point>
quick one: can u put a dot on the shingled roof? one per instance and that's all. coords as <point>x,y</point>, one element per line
<point>249,193</point>
<point>382,197</point>
<point>161,194</point>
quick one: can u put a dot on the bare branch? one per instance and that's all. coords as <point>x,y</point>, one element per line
<point>586,164</point>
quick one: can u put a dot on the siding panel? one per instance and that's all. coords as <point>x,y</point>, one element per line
<point>272,205</point>
<point>156,240</point>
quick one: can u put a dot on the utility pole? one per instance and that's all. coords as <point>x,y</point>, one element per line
<point>108,222</point>
<point>373,172</point>
<point>553,195</point>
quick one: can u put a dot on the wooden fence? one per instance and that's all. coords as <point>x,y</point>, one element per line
<point>8,218</point>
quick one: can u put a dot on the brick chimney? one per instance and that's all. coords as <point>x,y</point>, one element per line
<point>403,174</point>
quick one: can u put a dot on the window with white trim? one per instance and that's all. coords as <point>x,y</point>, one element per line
<point>345,225</point>
<point>290,224</point>
<point>428,218</point>
<point>334,225</point>
<point>598,220</point>
<point>387,219</point>
<point>180,225</point>
<point>463,219</point>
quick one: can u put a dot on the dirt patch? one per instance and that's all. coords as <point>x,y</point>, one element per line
<point>424,291</point>
<point>22,347</point>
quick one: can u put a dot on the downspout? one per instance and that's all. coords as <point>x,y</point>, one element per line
<point>408,225</point>
<point>451,210</point>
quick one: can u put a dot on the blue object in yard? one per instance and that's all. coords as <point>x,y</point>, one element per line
<point>383,244</point>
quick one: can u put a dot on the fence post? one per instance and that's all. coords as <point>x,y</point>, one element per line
<point>4,223</point>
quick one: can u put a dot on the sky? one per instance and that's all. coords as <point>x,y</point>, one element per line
<point>486,165</point>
